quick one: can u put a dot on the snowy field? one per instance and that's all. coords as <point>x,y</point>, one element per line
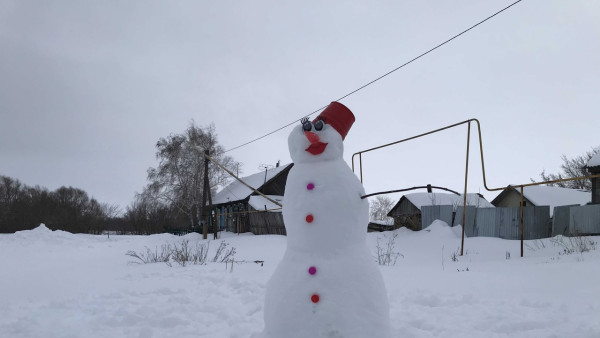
<point>57,284</point>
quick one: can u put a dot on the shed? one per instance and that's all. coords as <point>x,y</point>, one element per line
<point>593,166</point>
<point>240,209</point>
<point>407,212</point>
<point>542,195</point>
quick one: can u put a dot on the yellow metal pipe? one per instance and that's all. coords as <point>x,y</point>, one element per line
<point>467,168</point>
<point>464,215</point>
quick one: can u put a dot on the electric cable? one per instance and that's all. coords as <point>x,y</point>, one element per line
<point>382,76</point>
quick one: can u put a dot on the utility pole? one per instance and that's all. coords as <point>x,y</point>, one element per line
<point>213,222</point>
<point>205,192</point>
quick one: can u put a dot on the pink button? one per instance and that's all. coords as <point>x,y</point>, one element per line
<point>312,270</point>
<point>310,186</point>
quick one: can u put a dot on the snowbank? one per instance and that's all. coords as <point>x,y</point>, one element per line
<point>56,284</point>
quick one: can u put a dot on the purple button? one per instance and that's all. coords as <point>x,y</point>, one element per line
<point>312,270</point>
<point>310,186</point>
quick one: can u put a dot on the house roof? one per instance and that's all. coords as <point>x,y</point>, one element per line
<point>236,191</point>
<point>556,196</point>
<point>420,199</point>
<point>260,203</point>
<point>389,221</point>
<point>552,196</point>
<point>594,161</point>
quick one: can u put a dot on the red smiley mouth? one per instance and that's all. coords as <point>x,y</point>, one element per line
<point>316,148</point>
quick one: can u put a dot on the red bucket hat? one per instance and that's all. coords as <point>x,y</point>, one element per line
<point>338,116</point>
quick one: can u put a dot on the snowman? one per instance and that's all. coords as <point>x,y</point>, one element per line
<point>327,284</point>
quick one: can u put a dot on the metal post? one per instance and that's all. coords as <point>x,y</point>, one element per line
<point>360,162</point>
<point>483,172</point>
<point>205,192</point>
<point>464,215</point>
<point>521,205</point>
<point>213,220</point>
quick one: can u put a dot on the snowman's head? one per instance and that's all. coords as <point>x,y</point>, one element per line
<point>322,139</point>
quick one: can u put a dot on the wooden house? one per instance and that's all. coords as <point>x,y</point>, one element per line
<point>407,212</point>
<point>240,209</point>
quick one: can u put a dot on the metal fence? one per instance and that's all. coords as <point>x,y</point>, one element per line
<point>506,222</point>
<point>561,220</point>
<point>494,222</point>
<point>433,212</point>
<point>576,220</point>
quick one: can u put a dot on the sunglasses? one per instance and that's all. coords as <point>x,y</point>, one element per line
<point>307,125</point>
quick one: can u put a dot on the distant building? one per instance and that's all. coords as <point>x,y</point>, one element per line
<point>240,209</point>
<point>407,212</point>
<point>381,225</point>
<point>542,195</point>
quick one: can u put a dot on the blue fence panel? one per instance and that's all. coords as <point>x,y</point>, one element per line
<point>585,220</point>
<point>485,223</point>
<point>430,213</point>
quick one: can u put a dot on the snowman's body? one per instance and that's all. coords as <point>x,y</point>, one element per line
<point>327,284</point>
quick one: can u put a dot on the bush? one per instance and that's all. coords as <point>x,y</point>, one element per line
<point>574,244</point>
<point>386,254</point>
<point>183,254</point>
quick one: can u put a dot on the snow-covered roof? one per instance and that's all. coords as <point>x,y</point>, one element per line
<point>258,202</point>
<point>236,191</point>
<point>387,221</point>
<point>595,160</point>
<point>420,199</point>
<point>556,196</point>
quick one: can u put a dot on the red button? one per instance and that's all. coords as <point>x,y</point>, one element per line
<point>314,298</point>
<point>310,218</point>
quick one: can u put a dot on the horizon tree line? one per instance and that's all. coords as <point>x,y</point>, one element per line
<point>172,199</point>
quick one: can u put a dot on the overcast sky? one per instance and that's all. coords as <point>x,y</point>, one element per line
<point>88,87</point>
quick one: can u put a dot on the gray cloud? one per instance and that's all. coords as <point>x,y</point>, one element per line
<point>87,88</point>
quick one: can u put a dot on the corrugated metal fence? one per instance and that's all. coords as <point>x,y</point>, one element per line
<point>576,220</point>
<point>431,213</point>
<point>494,222</point>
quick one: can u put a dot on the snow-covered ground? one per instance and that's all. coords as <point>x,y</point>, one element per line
<point>57,284</point>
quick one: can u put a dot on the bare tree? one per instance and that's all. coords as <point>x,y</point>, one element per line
<point>380,208</point>
<point>67,208</point>
<point>9,190</point>
<point>147,215</point>
<point>178,179</point>
<point>110,210</point>
<point>572,167</point>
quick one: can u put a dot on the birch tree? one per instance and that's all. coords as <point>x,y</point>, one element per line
<point>380,207</point>
<point>178,179</point>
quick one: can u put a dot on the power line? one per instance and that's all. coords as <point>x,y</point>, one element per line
<point>274,131</point>
<point>384,75</point>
